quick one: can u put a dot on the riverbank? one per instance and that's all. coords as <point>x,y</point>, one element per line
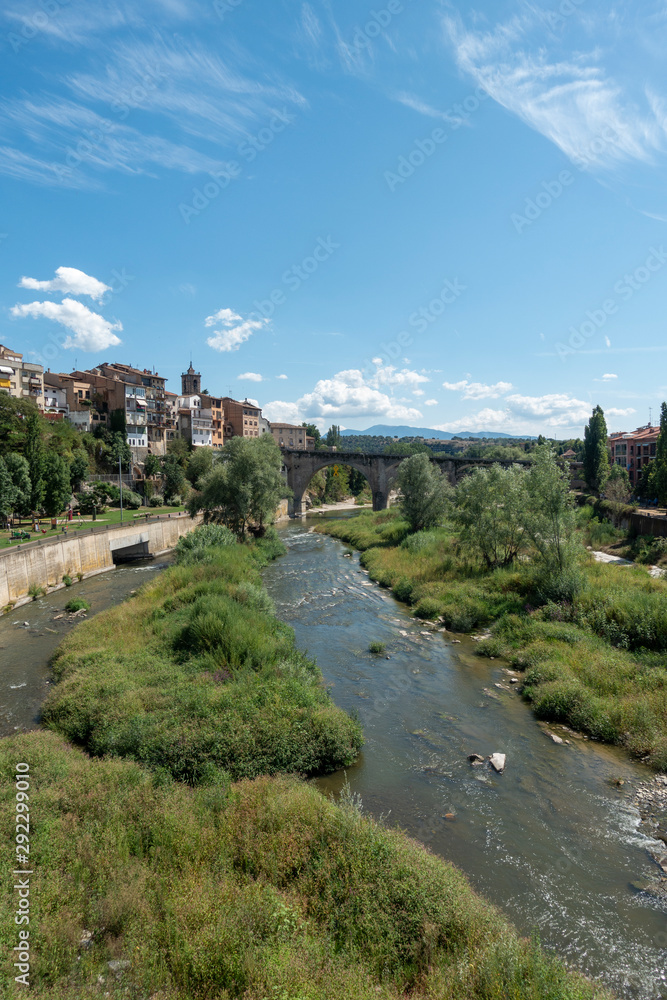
<point>147,886</point>
<point>595,664</point>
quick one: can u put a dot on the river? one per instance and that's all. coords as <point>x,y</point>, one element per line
<point>552,841</point>
<point>29,636</point>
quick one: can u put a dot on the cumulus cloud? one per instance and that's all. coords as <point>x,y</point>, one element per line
<point>91,331</point>
<point>233,329</point>
<point>553,413</point>
<point>283,377</point>
<point>609,377</point>
<point>71,281</point>
<point>478,390</point>
<point>431,402</point>
<point>353,393</point>
<point>250,377</point>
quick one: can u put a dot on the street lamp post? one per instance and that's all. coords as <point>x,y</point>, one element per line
<point>120,483</point>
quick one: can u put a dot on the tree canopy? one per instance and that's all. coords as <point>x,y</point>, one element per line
<point>424,492</point>
<point>596,456</point>
<point>244,487</point>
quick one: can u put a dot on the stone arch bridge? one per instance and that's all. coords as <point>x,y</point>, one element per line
<point>379,470</point>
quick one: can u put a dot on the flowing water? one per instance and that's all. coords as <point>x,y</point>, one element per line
<point>30,635</point>
<point>553,841</point>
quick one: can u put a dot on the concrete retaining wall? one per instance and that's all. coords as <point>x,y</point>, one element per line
<point>85,552</point>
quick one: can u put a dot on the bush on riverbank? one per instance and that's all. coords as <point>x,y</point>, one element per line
<point>594,662</point>
<point>260,890</point>
<point>195,674</point>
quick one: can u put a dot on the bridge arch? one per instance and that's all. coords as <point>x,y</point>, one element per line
<point>379,470</point>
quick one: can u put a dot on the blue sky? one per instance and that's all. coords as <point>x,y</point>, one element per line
<point>405,213</point>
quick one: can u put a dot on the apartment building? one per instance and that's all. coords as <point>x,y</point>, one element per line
<point>241,419</point>
<point>634,450</point>
<point>21,379</point>
<point>290,436</point>
<point>195,420</point>
<point>218,422</point>
<point>151,431</point>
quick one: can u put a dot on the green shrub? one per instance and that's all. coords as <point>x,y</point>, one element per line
<point>77,604</point>
<point>67,580</point>
<point>157,500</point>
<point>428,607</point>
<point>193,546</point>
<point>35,591</point>
<point>377,647</point>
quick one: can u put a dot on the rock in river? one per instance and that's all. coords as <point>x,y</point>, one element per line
<point>497,762</point>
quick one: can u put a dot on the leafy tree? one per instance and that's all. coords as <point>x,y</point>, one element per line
<point>618,486</point>
<point>173,477</point>
<point>551,511</point>
<point>178,448</point>
<point>490,506</point>
<point>118,422</point>
<point>596,457</point>
<point>152,465</point>
<point>200,464</point>
<point>337,483</point>
<point>333,437</point>
<point>12,427</point>
<point>19,470</point>
<point>119,449</point>
<point>313,431</point>
<point>408,448</point>
<point>7,491</point>
<point>659,465</point>
<point>244,486</point>
<point>33,449</point>
<point>358,481</point>
<point>425,492</point>
<point>78,470</point>
<point>94,500</point>
<point>57,488</point>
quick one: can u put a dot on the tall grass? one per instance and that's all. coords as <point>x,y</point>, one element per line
<point>263,890</point>
<point>595,661</point>
<point>196,674</point>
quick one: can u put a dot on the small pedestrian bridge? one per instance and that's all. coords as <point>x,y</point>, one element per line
<point>379,470</point>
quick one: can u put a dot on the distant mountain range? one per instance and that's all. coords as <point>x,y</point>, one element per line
<point>385,430</point>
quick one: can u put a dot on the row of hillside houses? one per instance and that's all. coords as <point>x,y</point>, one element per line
<point>120,396</point>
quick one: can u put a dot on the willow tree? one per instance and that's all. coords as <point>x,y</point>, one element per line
<point>244,487</point>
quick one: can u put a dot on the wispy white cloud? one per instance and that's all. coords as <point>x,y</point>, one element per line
<point>282,377</point>
<point>431,402</point>
<point>91,331</point>
<point>573,100</point>
<point>250,377</point>
<point>233,330</point>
